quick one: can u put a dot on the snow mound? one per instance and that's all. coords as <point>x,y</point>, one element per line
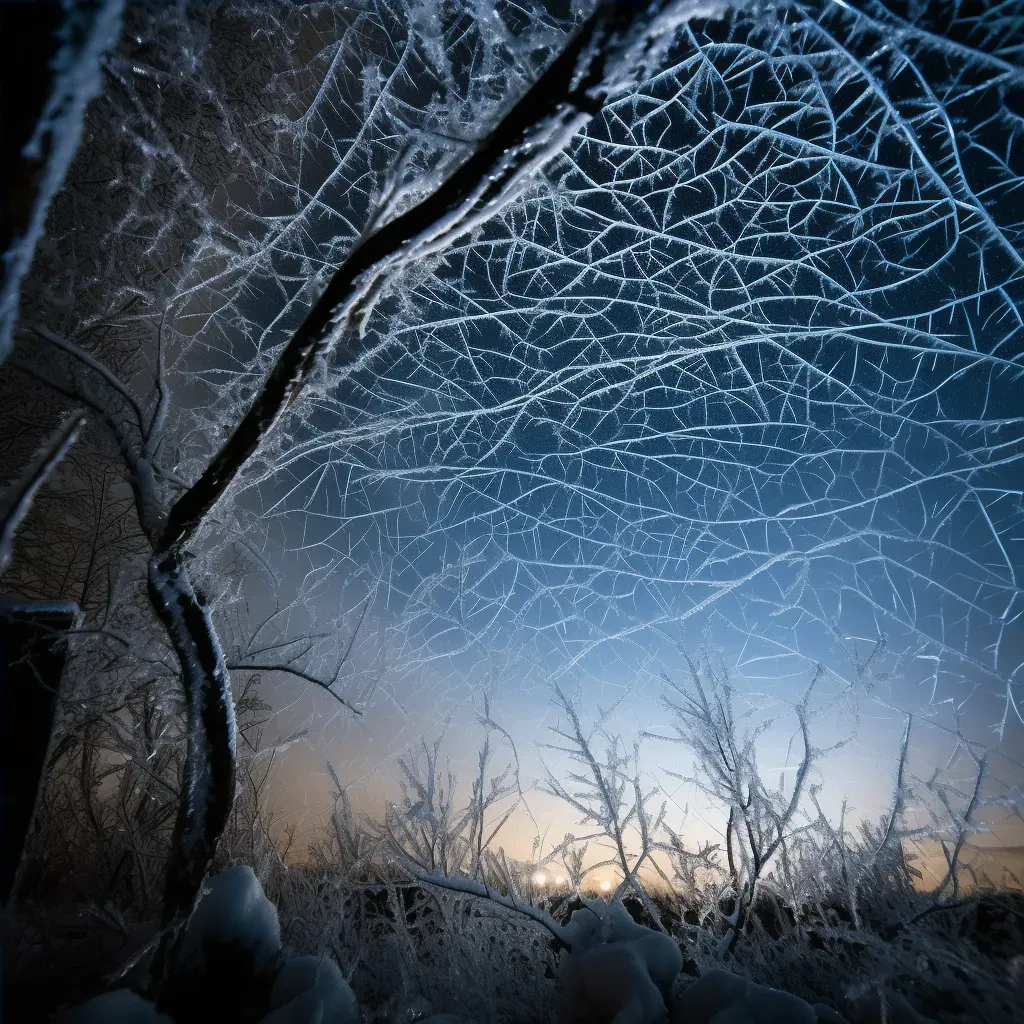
<point>404,1008</point>
<point>617,969</point>
<point>302,973</point>
<point>311,989</point>
<point>233,912</point>
<point>868,1009</point>
<point>826,1015</point>
<point>720,997</point>
<point>119,1007</point>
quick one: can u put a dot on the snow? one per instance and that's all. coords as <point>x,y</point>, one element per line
<point>310,988</point>
<point>616,969</point>
<point>118,1007</point>
<point>232,912</point>
<point>609,983</point>
<point>720,997</point>
<point>322,1004</point>
<point>302,973</point>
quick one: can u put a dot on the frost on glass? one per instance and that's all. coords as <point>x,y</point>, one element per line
<point>738,366</point>
<point>742,362</point>
<point>748,356</point>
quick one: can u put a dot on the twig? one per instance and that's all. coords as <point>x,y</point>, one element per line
<point>16,502</point>
<point>299,674</point>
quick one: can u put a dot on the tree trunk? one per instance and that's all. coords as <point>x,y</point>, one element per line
<point>209,774</point>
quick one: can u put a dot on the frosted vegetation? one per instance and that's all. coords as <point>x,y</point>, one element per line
<point>670,422</point>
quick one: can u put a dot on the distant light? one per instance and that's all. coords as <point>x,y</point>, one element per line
<point>540,878</point>
<point>560,880</point>
<point>605,885</point>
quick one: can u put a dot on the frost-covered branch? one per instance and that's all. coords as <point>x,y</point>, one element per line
<point>602,798</point>
<point>760,820</point>
<point>327,685</point>
<point>534,131</point>
<point>16,500</point>
<point>432,841</point>
<point>32,179</point>
<point>473,887</point>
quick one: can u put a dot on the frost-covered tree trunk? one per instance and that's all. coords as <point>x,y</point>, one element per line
<point>208,786</point>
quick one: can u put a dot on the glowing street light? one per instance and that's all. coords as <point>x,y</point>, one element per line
<point>605,885</point>
<point>540,878</point>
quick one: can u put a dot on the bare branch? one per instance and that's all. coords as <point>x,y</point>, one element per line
<point>16,501</point>
<point>307,677</point>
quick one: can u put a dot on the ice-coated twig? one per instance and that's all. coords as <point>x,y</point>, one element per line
<point>17,498</point>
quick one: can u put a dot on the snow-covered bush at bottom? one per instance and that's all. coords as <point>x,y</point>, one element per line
<point>621,972</point>
<point>233,913</point>
<point>118,1007</point>
<point>311,988</point>
<point>721,997</point>
<point>236,927</point>
<point>230,962</point>
<point>617,970</point>
<point>230,952</point>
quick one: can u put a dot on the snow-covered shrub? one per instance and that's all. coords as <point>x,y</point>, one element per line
<point>615,970</point>
<point>606,791</point>
<point>310,988</point>
<point>760,819</point>
<point>430,829</point>
<point>726,998</point>
<point>118,1007</point>
<point>232,913</point>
